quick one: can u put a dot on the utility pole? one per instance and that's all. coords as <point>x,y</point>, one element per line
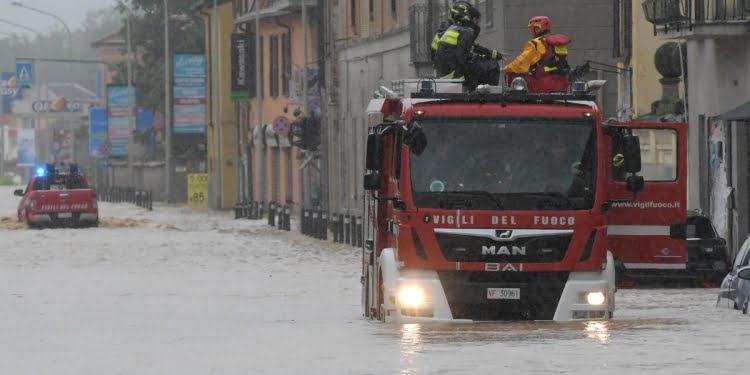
<point>217,107</point>
<point>2,148</point>
<point>259,93</point>
<point>302,187</point>
<point>131,112</point>
<point>167,106</point>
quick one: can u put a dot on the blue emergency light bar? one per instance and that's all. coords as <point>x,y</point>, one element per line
<point>41,171</point>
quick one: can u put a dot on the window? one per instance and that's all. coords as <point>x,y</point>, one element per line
<point>702,227</point>
<point>486,7</point>
<point>745,261</point>
<point>658,155</point>
<point>372,10</point>
<point>394,8</point>
<point>286,63</point>
<point>353,14</point>
<point>252,86</point>
<point>273,84</point>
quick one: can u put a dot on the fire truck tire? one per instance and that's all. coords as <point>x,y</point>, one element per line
<point>31,225</point>
<point>381,301</point>
<point>620,271</point>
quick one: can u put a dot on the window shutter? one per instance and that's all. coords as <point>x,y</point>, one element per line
<point>274,67</point>
<point>286,63</point>
<point>364,19</point>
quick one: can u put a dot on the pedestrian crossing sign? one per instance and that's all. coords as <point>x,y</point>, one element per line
<point>24,74</point>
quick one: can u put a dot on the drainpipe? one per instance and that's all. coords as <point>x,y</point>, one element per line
<point>289,174</point>
<point>217,107</point>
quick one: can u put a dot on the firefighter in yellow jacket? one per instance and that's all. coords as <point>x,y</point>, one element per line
<point>543,62</point>
<point>456,56</point>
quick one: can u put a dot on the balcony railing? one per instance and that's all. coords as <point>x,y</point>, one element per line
<point>681,13</point>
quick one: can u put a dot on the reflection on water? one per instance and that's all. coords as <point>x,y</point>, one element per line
<point>411,346</point>
<point>598,330</point>
<point>414,337</point>
<point>417,343</point>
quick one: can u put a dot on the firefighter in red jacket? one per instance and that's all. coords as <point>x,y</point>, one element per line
<point>543,62</point>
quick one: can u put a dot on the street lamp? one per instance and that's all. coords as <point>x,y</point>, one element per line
<point>167,105</point>
<point>67,29</point>
<point>18,25</point>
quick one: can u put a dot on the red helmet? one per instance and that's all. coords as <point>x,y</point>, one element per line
<point>539,25</point>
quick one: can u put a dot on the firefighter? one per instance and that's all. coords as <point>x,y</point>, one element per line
<point>543,62</point>
<point>456,56</point>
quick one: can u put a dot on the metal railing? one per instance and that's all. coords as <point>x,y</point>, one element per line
<point>313,222</point>
<point>677,13</point>
<point>118,194</point>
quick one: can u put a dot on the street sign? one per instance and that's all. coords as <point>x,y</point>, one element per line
<point>24,74</point>
<point>281,126</point>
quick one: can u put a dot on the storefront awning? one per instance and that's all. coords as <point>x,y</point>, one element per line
<point>741,113</point>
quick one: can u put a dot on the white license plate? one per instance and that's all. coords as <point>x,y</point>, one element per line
<point>65,215</point>
<point>503,293</point>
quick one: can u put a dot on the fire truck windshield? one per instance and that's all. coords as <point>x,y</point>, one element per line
<point>506,163</point>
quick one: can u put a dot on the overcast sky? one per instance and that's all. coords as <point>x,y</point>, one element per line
<point>73,12</point>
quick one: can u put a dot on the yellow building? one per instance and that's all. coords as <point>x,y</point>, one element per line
<point>256,158</point>
<point>222,125</point>
<point>646,84</point>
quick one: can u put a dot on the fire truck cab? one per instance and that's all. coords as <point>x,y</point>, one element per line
<point>502,204</point>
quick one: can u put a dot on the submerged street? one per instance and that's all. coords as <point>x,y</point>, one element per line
<point>192,291</point>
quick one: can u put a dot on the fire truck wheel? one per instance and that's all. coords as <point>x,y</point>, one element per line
<point>30,224</point>
<point>381,303</point>
<point>620,271</point>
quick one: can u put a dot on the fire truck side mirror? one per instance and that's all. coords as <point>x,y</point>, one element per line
<point>372,181</point>
<point>635,183</point>
<point>374,151</point>
<point>18,193</point>
<point>632,151</point>
<point>678,231</point>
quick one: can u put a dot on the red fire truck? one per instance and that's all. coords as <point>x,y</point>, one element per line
<point>505,205</point>
<point>58,198</point>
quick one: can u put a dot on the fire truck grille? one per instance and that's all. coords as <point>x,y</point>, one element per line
<point>467,294</point>
<point>542,249</point>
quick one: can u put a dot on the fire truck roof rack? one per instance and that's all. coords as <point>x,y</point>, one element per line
<point>505,97</point>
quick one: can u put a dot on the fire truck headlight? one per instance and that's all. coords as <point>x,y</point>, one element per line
<point>595,298</point>
<point>519,84</point>
<point>410,297</point>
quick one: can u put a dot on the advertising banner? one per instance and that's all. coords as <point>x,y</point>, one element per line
<point>119,115</point>
<point>26,148</point>
<point>197,189</point>
<point>10,91</point>
<point>189,106</point>
<point>97,132</point>
<point>241,66</point>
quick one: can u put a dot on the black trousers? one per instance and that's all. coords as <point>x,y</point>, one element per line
<point>482,71</point>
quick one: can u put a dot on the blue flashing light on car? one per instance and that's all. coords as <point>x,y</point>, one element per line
<point>41,171</point>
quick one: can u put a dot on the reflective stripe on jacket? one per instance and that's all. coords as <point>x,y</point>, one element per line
<point>453,54</point>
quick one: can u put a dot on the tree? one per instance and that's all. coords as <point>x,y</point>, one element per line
<point>54,45</point>
<point>147,33</point>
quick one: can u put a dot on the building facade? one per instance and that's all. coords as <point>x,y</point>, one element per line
<point>376,42</point>
<point>715,32</point>
<point>258,161</point>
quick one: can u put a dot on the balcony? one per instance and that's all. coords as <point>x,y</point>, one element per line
<point>276,8</point>
<point>698,19</point>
